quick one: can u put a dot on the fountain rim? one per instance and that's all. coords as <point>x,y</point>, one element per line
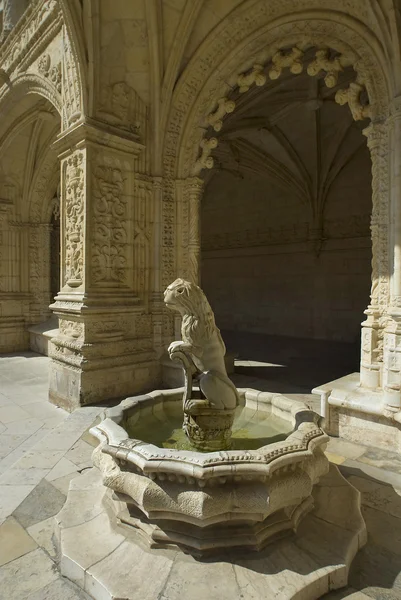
<point>152,460</point>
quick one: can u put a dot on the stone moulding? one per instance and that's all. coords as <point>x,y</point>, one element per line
<point>220,499</point>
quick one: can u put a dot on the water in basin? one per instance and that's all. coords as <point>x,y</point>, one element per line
<point>252,429</point>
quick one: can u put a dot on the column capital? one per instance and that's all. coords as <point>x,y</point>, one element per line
<point>95,133</point>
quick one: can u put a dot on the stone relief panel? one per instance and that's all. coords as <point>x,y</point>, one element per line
<point>72,99</point>
<point>109,249</point>
<point>50,71</point>
<point>143,233</point>
<point>17,48</point>
<point>73,216</point>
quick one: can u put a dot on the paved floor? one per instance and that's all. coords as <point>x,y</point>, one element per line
<point>42,448</point>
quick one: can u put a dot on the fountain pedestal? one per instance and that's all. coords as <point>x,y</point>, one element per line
<point>110,561</point>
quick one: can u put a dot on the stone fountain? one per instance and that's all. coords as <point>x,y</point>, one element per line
<point>210,469</point>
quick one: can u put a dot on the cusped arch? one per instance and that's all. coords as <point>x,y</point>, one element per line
<point>213,73</point>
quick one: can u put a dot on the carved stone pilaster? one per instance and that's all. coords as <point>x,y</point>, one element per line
<point>39,269</point>
<point>392,335</point>
<point>105,347</point>
<point>373,327</point>
<point>193,190</point>
<point>189,193</point>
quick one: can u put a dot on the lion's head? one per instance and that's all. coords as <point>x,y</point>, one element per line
<point>188,299</point>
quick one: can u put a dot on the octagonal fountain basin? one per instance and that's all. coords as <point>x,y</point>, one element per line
<point>247,496</point>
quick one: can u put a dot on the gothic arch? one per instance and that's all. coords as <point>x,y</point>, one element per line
<point>321,29</point>
<point>252,35</point>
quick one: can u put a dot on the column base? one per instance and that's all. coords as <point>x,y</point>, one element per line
<point>358,414</point>
<point>71,387</point>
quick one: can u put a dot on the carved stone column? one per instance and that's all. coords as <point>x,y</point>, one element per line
<point>392,343</point>
<point>104,348</point>
<point>373,327</point>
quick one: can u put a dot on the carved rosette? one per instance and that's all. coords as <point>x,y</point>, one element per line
<point>109,250</point>
<point>73,215</point>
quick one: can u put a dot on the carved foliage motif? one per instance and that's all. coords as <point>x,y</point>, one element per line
<point>142,233</point>
<point>16,49</point>
<point>73,329</point>
<point>39,264</point>
<point>225,106</point>
<point>322,62</point>
<point>283,59</point>
<point>110,236</point>
<point>256,76</point>
<point>352,97</point>
<point>291,60</point>
<point>71,85</point>
<point>74,218</point>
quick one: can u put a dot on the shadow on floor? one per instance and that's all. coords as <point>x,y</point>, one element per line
<point>376,569</point>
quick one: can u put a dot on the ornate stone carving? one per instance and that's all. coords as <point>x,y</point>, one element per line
<point>72,99</point>
<point>205,161</point>
<point>17,48</point>
<point>73,215</point>
<point>225,107</point>
<point>110,236</point>
<point>208,419</point>
<point>46,69</point>
<point>142,233</point>
<point>256,76</point>
<point>121,106</point>
<point>291,60</point>
<point>71,329</point>
<point>322,62</point>
<point>351,96</point>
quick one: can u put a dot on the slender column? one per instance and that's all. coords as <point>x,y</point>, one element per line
<point>373,327</point>
<point>392,347</point>
<point>104,348</point>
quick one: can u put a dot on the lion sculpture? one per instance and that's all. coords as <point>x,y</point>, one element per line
<point>202,346</point>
